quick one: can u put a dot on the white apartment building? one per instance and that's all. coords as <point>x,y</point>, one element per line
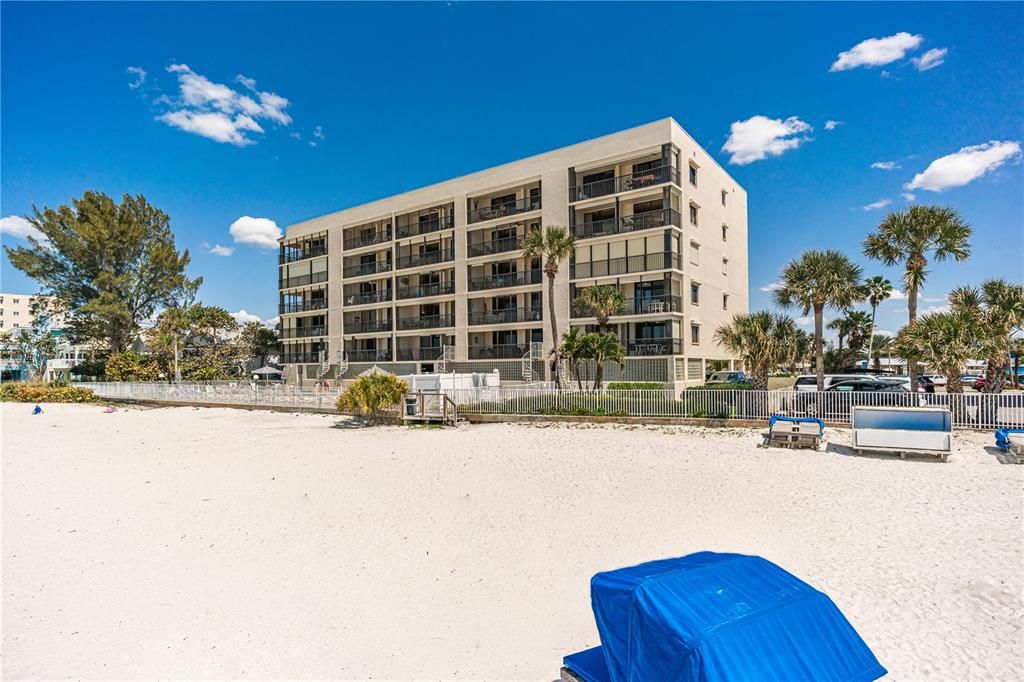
<point>16,312</point>
<point>434,279</point>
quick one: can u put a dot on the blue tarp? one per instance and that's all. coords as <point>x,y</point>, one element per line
<point>1003,438</point>
<point>796,420</point>
<point>710,616</point>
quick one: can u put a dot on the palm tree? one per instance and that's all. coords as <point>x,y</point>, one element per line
<point>909,238</point>
<point>877,289</point>
<point>373,395</point>
<point>574,351</point>
<point>763,341</point>
<point>1016,350</point>
<point>605,347</point>
<point>997,310</point>
<point>603,301</point>
<point>881,344</point>
<point>860,328</point>
<point>943,341</point>
<point>816,280</point>
<point>553,245</point>
<point>840,326</point>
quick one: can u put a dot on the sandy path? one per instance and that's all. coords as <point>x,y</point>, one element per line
<point>192,543</point>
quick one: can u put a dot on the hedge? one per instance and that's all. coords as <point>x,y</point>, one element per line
<point>43,393</point>
<point>635,386</point>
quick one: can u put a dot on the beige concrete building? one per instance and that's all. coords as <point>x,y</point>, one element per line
<point>16,312</point>
<point>434,279</point>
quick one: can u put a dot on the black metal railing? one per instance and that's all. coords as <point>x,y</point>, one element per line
<point>430,353</point>
<point>629,223</point>
<point>504,209</point>
<point>361,240</point>
<point>366,268</point>
<point>302,306</point>
<point>425,227</point>
<point>381,296</point>
<point>371,355</point>
<point>299,358</point>
<point>666,346</point>
<point>302,280</point>
<point>507,315</point>
<point>499,351</point>
<point>650,305</point>
<point>425,258</point>
<point>625,183</point>
<point>512,279</point>
<point>426,322</point>
<point>303,332</point>
<point>424,290</point>
<point>365,326</point>
<point>626,265</point>
<point>495,246</point>
<point>292,255</point>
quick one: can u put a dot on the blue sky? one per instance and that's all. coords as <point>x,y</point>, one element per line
<point>387,97</point>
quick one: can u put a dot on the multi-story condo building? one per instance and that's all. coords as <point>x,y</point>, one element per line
<point>16,313</point>
<point>434,279</point>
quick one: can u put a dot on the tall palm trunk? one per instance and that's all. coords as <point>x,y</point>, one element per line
<point>554,328</point>
<point>819,353</point>
<point>912,315</point>
<point>871,337</point>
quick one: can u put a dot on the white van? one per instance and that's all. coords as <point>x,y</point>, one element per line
<point>809,382</point>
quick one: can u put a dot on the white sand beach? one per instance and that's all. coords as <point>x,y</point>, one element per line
<point>213,543</point>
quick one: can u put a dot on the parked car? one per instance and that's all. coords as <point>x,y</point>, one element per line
<point>978,384</point>
<point>728,378</point>
<point>809,382</point>
<point>968,379</point>
<point>923,383</point>
<point>837,399</point>
<point>937,379</point>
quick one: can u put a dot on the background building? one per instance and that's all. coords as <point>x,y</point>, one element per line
<point>16,312</point>
<point>434,279</point>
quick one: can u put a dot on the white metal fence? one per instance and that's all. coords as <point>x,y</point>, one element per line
<point>237,393</point>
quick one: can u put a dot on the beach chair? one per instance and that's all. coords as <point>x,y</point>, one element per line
<point>795,432</point>
<point>1011,441</point>
<point>715,617</point>
<point>902,430</point>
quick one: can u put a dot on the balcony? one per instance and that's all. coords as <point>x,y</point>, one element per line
<point>425,258</point>
<point>302,307</point>
<point>367,326</point>
<point>625,183</point>
<point>652,305</point>
<point>428,353</point>
<point>648,347</point>
<point>370,355</point>
<point>369,297</point>
<point>361,269</point>
<point>361,240</point>
<point>629,223</point>
<point>424,290</point>
<point>495,246</point>
<point>512,279</point>
<point>626,265</point>
<point>292,255</point>
<point>504,209</point>
<point>303,332</point>
<point>302,280</point>
<point>506,316</point>
<point>299,358</point>
<point>426,322</point>
<point>426,226</point>
<point>498,352</point>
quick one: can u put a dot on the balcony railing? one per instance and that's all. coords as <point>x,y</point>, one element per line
<point>506,209</point>
<point>302,307</point>
<point>426,322</point>
<point>292,255</point>
<point>429,353</point>
<point>361,240</point>
<point>425,258</point>
<point>666,346</point>
<point>302,280</point>
<point>299,358</point>
<point>495,246</point>
<point>424,290</point>
<point>381,296</point>
<point>625,183</point>
<point>628,223</point>
<point>506,316</point>
<point>426,227</point>
<point>303,332</point>
<point>367,326</point>
<point>366,268</point>
<point>371,355</point>
<point>500,351</point>
<point>626,265</point>
<point>512,279</point>
<point>652,305</point>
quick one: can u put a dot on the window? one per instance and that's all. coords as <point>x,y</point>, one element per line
<point>694,369</point>
<point>725,301</point>
<point>725,266</point>
<point>15,312</point>
<point>725,232</point>
<point>695,334</point>
<point>693,214</point>
<point>695,293</point>
<point>693,175</point>
<point>724,196</point>
<point>694,253</point>
<point>17,300</point>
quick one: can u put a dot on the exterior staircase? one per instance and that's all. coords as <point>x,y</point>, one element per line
<point>535,353</point>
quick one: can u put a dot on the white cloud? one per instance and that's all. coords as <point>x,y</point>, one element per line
<point>897,295</point>
<point>219,112</point>
<point>140,76</point>
<point>885,74</point>
<point>318,132</point>
<point>877,51</point>
<point>885,332</point>
<point>218,250</point>
<point>885,165</point>
<point>773,286</point>
<point>960,168</point>
<point>260,232</point>
<point>760,137</point>
<point>875,205</point>
<point>244,317</point>
<point>19,228</point>
<point>806,321</point>
<point>296,135</point>
<point>832,125</point>
<point>933,309</point>
<point>930,59</point>
<point>908,196</point>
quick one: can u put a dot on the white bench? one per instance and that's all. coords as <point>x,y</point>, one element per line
<point>902,430</point>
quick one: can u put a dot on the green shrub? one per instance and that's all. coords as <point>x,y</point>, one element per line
<point>720,387</point>
<point>42,393</point>
<point>131,366</point>
<point>373,395</point>
<point>635,386</point>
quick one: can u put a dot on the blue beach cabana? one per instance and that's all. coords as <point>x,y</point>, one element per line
<point>708,617</point>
